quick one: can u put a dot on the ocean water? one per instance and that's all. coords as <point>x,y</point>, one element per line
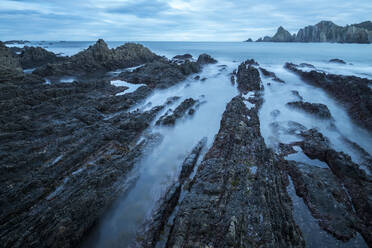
<point>158,169</point>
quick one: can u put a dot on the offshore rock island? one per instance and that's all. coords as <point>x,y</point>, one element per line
<point>325,31</point>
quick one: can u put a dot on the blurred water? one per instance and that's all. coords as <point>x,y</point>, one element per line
<point>159,168</point>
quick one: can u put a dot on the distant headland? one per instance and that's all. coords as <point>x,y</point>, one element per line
<point>325,31</point>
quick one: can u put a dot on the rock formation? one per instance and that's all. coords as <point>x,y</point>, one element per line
<point>316,109</point>
<point>325,31</point>
<point>99,58</point>
<point>238,196</point>
<point>163,73</point>
<point>352,91</point>
<point>66,149</point>
<point>32,57</point>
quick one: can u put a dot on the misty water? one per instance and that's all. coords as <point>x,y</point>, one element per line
<point>160,167</point>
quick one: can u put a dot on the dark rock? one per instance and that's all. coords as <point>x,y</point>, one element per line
<point>352,91</point>
<point>317,109</point>
<point>326,198</point>
<point>170,200</point>
<point>306,65</point>
<point>249,40</point>
<point>8,60</point>
<point>355,180</point>
<point>248,77</point>
<point>21,42</point>
<point>61,158</point>
<point>297,94</point>
<point>183,57</point>
<point>170,117</point>
<point>197,77</point>
<point>204,59</point>
<point>270,74</point>
<point>338,61</point>
<point>99,58</point>
<point>163,73</point>
<point>32,57</point>
<point>238,192</point>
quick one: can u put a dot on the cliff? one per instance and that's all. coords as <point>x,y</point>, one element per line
<point>326,31</point>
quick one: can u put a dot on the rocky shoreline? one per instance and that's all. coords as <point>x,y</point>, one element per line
<point>68,151</point>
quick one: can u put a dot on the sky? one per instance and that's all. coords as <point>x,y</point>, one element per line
<point>169,20</point>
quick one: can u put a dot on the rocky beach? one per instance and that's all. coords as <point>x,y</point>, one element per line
<point>126,146</point>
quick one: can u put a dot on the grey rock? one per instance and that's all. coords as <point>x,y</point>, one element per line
<point>248,77</point>
<point>338,61</point>
<point>170,117</point>
<point>325,31</point>
<point>32,57</point>
<point>316,109</point>
<point>99,58</point>
<point>352,91</point>
<point>270,74</point>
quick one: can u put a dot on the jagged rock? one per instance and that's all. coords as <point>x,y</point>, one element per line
<point>352,91</point>
<point>170,117</point>
<point>325,31</point>
<point>248,77</point>
<point>7,60</point>
<point>249,40</point>
<point>32,57</point>
<point>317,109</point>
<point>270,74</point>
<point>356,181</point>
<point>297,94</point>
<point>339,61</point>
<point>186,56</point>
<point>206,59</point>
<point>282,35</point>
<point>99,58</point>
<point>306,65</point>
<point>169,201</point>
<point>237,193</point>
<point>228,201</point>
<point>61,158</point>
<point>163,73</point>
<point>264,39</point>
<point>21,42</point>
<point>326,198</point>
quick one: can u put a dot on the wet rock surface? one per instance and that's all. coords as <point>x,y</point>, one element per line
<point>353,92</point>
<point>99,58</point>
<point>337,61</point>
<point>164,73</point>
<point>316,109</point>
<point>62,160</point>
<point>238,196</point>
<point>248,77</point>
<point>32,57</point>
<point>170,199</point>
<point>170,117</point>
<point>339,197</point>
<point>270,74</point>
<point>66,152</point>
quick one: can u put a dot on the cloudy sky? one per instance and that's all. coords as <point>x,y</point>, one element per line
<point>191,20</point>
